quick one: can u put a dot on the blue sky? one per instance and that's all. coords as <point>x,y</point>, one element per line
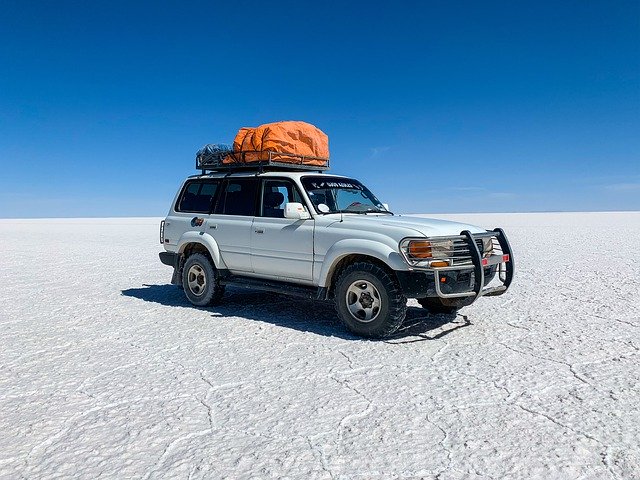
<point>436,106</point>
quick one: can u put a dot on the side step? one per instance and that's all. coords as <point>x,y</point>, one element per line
<point>285,288</point>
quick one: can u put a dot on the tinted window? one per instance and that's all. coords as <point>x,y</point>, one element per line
<point>239,197</point>
<point>275,195</point>
<point>197,197</point>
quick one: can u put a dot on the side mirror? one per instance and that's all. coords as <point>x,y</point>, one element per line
<point>295,211</point>
<point>386,206</point>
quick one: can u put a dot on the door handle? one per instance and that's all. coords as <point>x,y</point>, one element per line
<point>213,226</point>
<point>259,230</point>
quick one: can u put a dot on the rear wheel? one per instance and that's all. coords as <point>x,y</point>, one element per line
<point>435,306</point>
<point>369,301</point>
<point>200,281</point>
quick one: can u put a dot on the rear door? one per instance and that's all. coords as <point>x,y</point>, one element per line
<point>281,247</point>
<point>231,222</point>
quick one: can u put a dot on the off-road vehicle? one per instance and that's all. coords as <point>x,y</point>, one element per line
<point>297,230</point>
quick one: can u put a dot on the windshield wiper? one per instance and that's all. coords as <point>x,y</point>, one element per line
<point>377,210</point>
<point>351,211</point>
<point>363,212</point>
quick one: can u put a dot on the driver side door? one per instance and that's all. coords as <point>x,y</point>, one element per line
<point>281,247</point>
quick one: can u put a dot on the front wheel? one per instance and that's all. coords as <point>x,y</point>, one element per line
<point>369,301</point>
<point>200,281</point>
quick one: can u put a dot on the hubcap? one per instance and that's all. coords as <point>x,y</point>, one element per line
<point>363,301</point>
<point>196,280</point>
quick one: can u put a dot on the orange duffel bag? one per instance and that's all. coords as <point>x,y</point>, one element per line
<point>286,142</point>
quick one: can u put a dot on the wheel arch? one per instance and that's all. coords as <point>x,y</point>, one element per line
<point>346,252</point>
<point>196,242</point>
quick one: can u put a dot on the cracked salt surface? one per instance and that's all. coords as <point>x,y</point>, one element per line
<point>105,370</point>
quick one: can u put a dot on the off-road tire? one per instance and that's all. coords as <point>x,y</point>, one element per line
<point>199,269</point>
<point>435,306</point>
<point>392,303</point>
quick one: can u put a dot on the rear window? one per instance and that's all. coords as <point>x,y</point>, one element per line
<point>197,196</point>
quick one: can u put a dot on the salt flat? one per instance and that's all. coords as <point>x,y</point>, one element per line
<point>106,370</point>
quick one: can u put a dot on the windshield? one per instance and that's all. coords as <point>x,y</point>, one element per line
<point>337,194</point>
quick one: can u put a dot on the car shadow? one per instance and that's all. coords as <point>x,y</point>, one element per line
<point>312,316</point>
<point>422,326</point>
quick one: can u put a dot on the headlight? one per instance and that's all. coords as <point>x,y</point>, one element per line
<point>487,246</point>
<point>423,252</point>
<point>442,248</point>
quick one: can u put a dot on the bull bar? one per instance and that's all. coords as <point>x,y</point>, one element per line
<point>503,260</point>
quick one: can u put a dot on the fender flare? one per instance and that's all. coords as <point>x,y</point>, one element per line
<point>370,248</point>
<point>207,241</point>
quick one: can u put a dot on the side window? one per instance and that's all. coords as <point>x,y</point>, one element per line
<point>239,197</point>
<point>197,197</point>
<point>275,194</point>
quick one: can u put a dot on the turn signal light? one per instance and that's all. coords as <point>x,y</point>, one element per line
<point>439,264</point>
<point>420,249</point>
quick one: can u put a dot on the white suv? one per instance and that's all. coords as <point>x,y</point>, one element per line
<point>303,232</point>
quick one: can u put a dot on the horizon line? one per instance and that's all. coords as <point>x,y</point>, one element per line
<point>87,217</point>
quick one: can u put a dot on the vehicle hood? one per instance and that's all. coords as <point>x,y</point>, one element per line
<point>428,227</point>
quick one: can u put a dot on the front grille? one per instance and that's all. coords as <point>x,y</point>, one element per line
<point>455,250</point>
<point>461,254</point>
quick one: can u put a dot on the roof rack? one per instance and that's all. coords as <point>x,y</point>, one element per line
<point>260,161</point>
